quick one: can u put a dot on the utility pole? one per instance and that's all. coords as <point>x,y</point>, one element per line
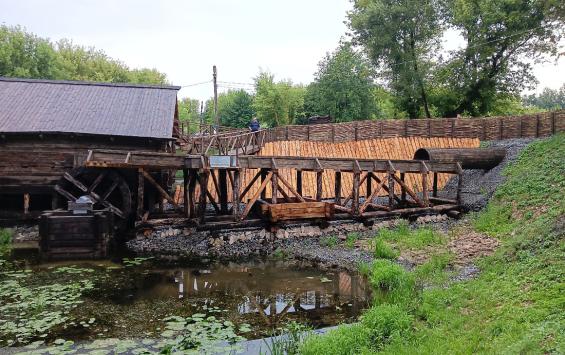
<point>201,116</point>
<point>216,117</point>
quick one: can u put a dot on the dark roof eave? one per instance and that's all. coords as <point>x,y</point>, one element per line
<point>90,83</point>
<point>81,134</point>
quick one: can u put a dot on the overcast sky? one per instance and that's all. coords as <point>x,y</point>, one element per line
<point>185,38</point>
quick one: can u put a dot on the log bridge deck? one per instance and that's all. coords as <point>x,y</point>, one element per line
<point>286,201</point>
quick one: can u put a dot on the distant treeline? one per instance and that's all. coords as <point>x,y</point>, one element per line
<point>25,55</point>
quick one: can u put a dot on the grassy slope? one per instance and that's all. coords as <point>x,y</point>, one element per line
<point>516,305</point>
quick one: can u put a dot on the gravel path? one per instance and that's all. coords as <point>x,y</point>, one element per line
<point>480,185</point>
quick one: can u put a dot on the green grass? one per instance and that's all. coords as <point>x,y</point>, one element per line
<point>329,241</point>
<point>382,250</point>
<point>403,237</point>
<point>5,241</point>
<point>351,239</point>
<point>516,304</point>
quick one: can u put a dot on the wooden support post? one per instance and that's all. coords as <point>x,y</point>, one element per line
<point>164,195</point>
<point>425,198</point>
<point>402,189</point>
<point>391,190</point>
<point>319,186</point>
<point>204,175</point>
<point>299,182</point>
<point>26,203</point>
<point>337,190</point>
<point>140,193</point>
<point>263,176</point>
<point>186,182</point>
<point>391,176</point>
<point>223,189</point>
<point>368,192</point>
<point>274,186</point>
<point>459,183</point>
<point>54,201</point>
<point>355,197</point>
<point>434,186</point>
<point>235,194</point>
<point>191,192</point>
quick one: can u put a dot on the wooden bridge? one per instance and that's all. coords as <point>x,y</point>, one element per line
<point>234,203</point>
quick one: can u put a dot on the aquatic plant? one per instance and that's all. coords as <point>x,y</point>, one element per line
<point>135,261</point>
<point>30,311</point>
<point>288,339</point>
<point>202,334</point>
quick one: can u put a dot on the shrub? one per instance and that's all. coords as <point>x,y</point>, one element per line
<point>385,322</point>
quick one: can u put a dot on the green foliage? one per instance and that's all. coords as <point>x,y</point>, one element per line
<point>342,87</point>
<point>351,239</point>
<point>287,340</point>
<point>30,311</point>
<point>202,334</point>
<point>548,99</point>
<point>235,108</point>
<point>23,54</point>
<point>387,275</point>
<point>433,271</point>
<point>401,38</point>
<point>279,254</point>
<point>135,261</point>
<point>484,77</point>
<point>499,35</point>
<point>382,250</point>
<point>364,268</point>
<point>405,238</point>
<point>277,103</point>
<point>385,323</point>
<point>189,112</point>
<point>330,241</point>
<point>5,241</point>
<point>346,340</point>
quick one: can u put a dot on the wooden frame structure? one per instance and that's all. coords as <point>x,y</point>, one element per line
<point>287,201</point>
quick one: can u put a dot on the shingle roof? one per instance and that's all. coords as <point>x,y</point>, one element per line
<point>29,105</point>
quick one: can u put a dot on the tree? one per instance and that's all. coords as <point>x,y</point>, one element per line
<point>189,112</point>
<point>401,38</point>
<point>277,103</point>
<point>235,108</point>
<point>548,99</point>
<point>26,55</point>
<point>499,35</point>
<point>342,87</point>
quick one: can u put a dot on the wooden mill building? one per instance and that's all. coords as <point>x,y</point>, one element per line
<point>46,126</point>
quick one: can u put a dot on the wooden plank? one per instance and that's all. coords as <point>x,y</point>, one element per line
<point>140,193</point>
<point>161,191</point>
<point>256,195</point>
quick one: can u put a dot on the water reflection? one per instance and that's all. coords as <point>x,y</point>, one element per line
<point>269,291</point>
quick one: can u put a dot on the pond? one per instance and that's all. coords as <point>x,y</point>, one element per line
<point>131,298</point>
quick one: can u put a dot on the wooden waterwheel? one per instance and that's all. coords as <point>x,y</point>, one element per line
<point>107,189</point>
